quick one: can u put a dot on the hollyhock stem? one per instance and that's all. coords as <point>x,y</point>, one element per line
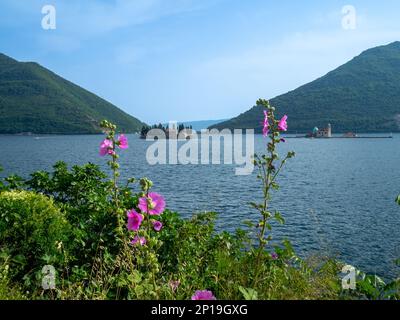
<point>110,130</point>
<point>268,174</point>
<point>148,214</point>
<point>267,184</point>
<point>114,166</point>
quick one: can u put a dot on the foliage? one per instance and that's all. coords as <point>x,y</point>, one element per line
<point>83,195</point>
<point>8,291</point>
<point>372,287</point>
<point>33,232</point>
<point>368,85</point>
<point>33,99</point>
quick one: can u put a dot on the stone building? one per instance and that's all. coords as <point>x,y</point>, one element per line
<point>321,133</point>
<point>325,132</point>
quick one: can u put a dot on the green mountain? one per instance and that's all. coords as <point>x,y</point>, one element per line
<point>34,99</point>
<point>362,95</point>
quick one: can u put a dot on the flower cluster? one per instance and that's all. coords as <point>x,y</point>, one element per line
<point>143,218</point>
<point>107,145</point>
<point>151,205</point>
<point>203,295</point>
<point>282,124</point>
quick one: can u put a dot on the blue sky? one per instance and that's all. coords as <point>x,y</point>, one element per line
<point>162,60</point>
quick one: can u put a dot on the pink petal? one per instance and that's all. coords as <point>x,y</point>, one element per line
<point>123,142</point>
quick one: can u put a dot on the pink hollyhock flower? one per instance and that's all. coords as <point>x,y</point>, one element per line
<point>153,205</point>
<point>157,225</point>
<point>139,241</point>
<point>134,220</point>
<point>203,295</point>
<point>282,125</point>
<point>265,124</point>
<point>123,142</point>
<point>106,147</point>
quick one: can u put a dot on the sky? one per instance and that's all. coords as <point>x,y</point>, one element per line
<point>186,60</point>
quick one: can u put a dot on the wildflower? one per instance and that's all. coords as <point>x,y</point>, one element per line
<point>203,295</point>
<point>106,147</point>
<point>265,124</point>
<point>134,220</point>
<point>282,125</point>
<point>154,204</point>
<point>274,256</point>
<point>123,142</point>
<point>157,225</point>
<point>139,241</point>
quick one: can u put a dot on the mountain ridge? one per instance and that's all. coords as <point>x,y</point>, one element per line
<point>362,95</point>
<point>37,100</point>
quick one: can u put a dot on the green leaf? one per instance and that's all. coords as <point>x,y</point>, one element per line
<point>278,217</point>
<point>20,259</point>
<point>275,186</point>
<point>248,294</point>
<point>291,154</point>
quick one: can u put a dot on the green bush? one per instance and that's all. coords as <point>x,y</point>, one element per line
<point>8,291</point>
<point>83,194</point>
<point>33,232</point>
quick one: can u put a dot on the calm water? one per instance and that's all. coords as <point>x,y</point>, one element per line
<point>337,195</point>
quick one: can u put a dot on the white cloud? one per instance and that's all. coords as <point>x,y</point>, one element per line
<point>93,18</point>
<point>79,21</point>
<point>267,71</point>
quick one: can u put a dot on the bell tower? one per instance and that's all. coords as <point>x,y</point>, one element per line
<point>329,130</point>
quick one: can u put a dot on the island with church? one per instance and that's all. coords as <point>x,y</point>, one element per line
<point>326,133</point>
<point>173,130</point>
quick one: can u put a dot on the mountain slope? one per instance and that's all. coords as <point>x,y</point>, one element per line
<point>34,99</point>
<point>362,95</point>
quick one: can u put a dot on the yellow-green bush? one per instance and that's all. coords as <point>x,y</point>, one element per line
<point>32,233</point>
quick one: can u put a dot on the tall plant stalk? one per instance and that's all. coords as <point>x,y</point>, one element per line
<point>269,167</point>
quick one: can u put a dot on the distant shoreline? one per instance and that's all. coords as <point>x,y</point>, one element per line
<point>373,137</point>
<point>55,134</point>
<point>287,135</point>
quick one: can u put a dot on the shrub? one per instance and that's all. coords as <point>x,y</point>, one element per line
<point>33,232</point>
<point>8,291</point>
<point>83,195</point>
